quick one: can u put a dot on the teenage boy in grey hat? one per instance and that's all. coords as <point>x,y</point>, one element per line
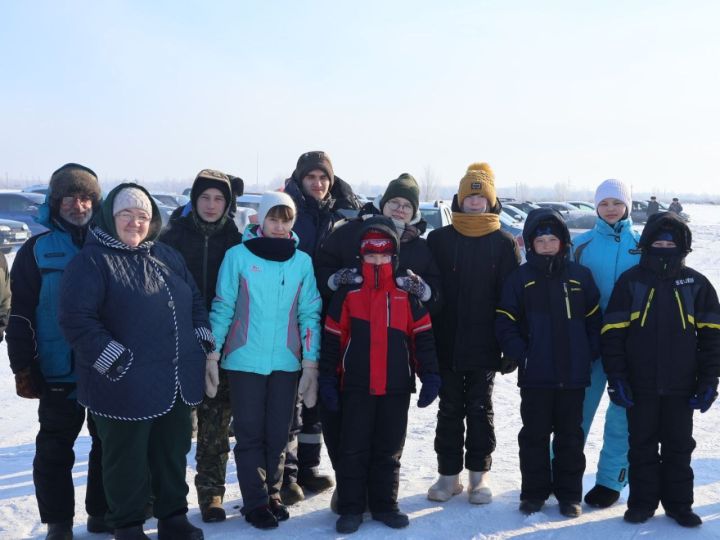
<point>41,359</point>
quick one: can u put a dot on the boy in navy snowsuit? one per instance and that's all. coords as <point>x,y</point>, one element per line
<point>661,352</point>
<point>377,337</point>
<point>548,323</point>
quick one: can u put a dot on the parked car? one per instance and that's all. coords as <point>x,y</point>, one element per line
<point>515,213</point>
<point>574,218</point>
<point>171,199</point>
<point>638,212</point>
<point>12,234</point>
<point>524,206</point>
<point>584,206</point>
<point>437,214</point>
<point>42,189</point>
<point>165,210</point>
<point>21,206</point>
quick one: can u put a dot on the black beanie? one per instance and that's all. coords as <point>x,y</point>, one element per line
<point>311,161</point>
<point>550,226</point>
<point>403,186</point>
<point>73,179</point>
<point>209,178</point>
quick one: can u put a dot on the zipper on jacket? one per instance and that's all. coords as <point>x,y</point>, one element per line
<point>567,301</point>
<point>205,265</point>
<point>376,272</point>
<point>682,313</point>
<point>387,307</point>
<point>647,306</point>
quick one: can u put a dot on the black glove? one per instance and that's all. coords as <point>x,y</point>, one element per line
<point>328,390</point>
<point>620,392</point>
<point>28,384</point>
<point>507,364</point>
<point>705,395</point>
<point>429,390</point>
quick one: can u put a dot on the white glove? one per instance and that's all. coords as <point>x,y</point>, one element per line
<point>344,276</point>
<point>212,374</point>
<point>414,284</point>
<point>308,386</point>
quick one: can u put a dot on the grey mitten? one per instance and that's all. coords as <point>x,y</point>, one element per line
<point>212,374</point>
<point>415,285</point>
<point>308,385</point>
<point>344,276</point>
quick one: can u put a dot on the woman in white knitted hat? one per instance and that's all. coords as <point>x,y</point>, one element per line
<point>608,250</point>
<point>266,321</point>
<point>139,330</point>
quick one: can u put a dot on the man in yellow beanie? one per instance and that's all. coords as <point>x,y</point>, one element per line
<point>474,256</point>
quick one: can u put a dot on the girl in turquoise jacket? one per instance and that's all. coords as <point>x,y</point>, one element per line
<point>608,250</point>
<point>266,322</point>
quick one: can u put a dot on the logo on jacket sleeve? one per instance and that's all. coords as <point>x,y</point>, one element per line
<point>685,281</point>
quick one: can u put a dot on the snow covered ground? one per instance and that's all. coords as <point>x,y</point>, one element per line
<point>456,519</point>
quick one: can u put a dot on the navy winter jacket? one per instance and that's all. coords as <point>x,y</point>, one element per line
<point>135,320</point>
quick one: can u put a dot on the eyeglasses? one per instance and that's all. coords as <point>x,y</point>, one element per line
<point>395,205</point>
<point>127,217</point>
<point>82,199</point>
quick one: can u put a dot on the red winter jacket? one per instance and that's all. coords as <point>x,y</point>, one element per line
<point>377,336</point>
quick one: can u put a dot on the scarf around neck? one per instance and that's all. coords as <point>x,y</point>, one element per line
<point>475,224</point>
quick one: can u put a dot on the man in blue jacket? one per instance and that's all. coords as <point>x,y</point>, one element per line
<point>41,359</point>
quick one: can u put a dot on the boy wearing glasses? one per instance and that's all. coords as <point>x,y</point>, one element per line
<point>42,360</point>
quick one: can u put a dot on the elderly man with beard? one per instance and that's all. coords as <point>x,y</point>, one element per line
<point>42,360</point>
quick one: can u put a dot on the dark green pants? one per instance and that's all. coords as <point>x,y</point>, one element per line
<point>139,453</point>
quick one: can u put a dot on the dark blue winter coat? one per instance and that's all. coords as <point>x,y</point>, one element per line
<point>548,318</point>
<point>136,321</point>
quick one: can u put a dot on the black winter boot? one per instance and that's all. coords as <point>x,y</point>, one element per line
<point>312,480</point>
<point>394,520</point>
<point>685,517</point>
<point>278,509</point>
<point>530,506</point>
<point>178,528</point>
<point>348,523</point>
<point>60,531</point>
<point>134,532</point>
<point>96,524</point>
<point>570,509</point>
<point>638,515</point>
<point>601,497</point>
<point>262,518</point>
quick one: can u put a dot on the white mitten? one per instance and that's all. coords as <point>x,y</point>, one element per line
<point>308,386</point>
<point>212,374</point>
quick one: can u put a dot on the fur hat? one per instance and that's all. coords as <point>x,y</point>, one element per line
<point>613,189</point>
<point>73,179</point>
<point>403,186</point>
<point>375,241</point>
<point>478,180</point>
<point>131,197</point>
<point>210,178</point>
<point>271,199</point>
<point>311,161</point>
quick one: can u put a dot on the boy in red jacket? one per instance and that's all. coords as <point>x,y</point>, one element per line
<point>376,338</point>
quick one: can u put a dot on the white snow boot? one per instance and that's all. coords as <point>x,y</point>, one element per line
<point>479,491</point>
<point>445,487</point>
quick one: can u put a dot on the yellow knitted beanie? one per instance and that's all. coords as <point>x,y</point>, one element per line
<point>478,180</point>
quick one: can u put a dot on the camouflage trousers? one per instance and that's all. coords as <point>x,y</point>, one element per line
<point>213,445</point>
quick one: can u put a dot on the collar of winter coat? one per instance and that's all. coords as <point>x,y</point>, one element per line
<point>105,220</point>
<point>271,249</point>
<point>604,228</point>
<point>475,225</point>
<point>664,266</point>
<point>104,238</point>
<point>549,265</point>
<point>378,276</point>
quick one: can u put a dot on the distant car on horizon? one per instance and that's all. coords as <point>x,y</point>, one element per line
<point>639,211</point>
<point>574,218</point>
<point>170,199</point>
<point>585,206</point>
<point>37,188</point>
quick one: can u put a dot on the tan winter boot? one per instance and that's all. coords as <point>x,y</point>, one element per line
<point>213,511</point>
<point>479,491</point>
<point>446,486</point>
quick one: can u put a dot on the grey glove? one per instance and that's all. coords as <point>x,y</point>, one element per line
<point>212,374</point>
<point>415,285</point>
<point>344,276</point>
<point>308,385</point>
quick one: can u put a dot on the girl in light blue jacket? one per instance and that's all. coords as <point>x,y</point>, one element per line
<point>266,321</point>
<point>608,250</point>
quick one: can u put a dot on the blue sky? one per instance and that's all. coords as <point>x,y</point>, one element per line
<point>546,92</point>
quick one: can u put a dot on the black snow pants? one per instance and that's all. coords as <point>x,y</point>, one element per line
<point>661,445</point>
<point>372,436</point>
<point>557,412</point>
